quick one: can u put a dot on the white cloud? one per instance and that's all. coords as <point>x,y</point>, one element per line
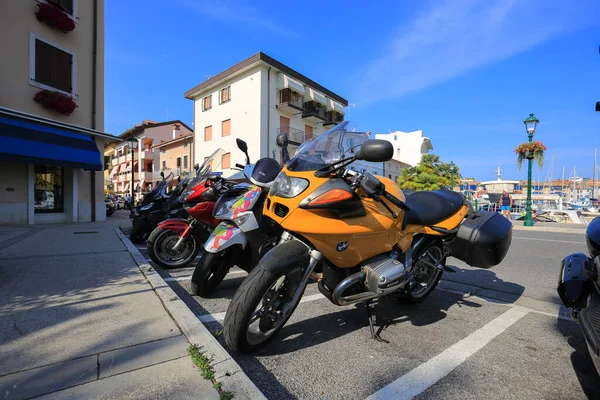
<point>236,13</point>
<point>453,37</point>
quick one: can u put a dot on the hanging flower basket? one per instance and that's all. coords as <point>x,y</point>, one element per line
<point>55,101</point>
<point>52,15</point>
<point>530,151</point>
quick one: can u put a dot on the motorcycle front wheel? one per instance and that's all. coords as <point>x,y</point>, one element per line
<point>160,249</point>
<point>211,270</point>
<point>259,309</point>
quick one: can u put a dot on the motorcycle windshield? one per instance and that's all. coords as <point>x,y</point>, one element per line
<point>338,143</point>
<point>209,166</point>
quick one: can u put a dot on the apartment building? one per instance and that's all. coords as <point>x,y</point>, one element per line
<point>409,147</point>
<point>255,100</point>
<point>174,156</point>
<point>145,135</point>
<point>52,111</point>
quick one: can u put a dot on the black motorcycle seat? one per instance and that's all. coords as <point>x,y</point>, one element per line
<point>429,208</point>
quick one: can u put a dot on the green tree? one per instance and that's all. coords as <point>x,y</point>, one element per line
<point>429,174</point>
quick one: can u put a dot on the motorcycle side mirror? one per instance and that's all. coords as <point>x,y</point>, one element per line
<point>281,139</point>
<point>375,150</point>
<point>162,174</point>
<point>197,167</point>
<point>244,148</point>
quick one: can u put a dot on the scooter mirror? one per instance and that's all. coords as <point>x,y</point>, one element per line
<point>197,167</point>
<point>162,174</point>
<point>244,148</point>
<point>375,151</point>
<point>281,139</point>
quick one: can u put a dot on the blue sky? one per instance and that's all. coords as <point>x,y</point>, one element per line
<point>466,72</point>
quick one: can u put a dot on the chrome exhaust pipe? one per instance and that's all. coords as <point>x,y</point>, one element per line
<point>354,298</point>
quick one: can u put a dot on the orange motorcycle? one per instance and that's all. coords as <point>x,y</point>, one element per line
<point>357,235</point>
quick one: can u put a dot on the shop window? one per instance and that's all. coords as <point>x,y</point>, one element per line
<point>49,190</point>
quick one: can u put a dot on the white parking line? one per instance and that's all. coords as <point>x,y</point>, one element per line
<point>218,317</point>
<point>427,374</point>
<point>184,278</point>
<point>547,240</point>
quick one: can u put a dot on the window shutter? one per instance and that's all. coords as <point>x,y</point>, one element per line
<point>63,67</point>
<point>226,161</point>
<point>43,63</point>
<point>226,128</point>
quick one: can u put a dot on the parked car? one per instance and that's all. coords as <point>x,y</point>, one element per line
<point>110,207</point>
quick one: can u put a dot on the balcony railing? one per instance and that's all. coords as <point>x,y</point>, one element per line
<point>314,111</point>
<point>176,172</point>
<point>295,136</point>
<point>288,98</point>
<point>333,118</point>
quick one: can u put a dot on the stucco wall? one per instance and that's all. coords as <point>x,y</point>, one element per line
<point>412,145</point>
<point>13,204</point>
<point>17,20</point>
<point>244,111</point>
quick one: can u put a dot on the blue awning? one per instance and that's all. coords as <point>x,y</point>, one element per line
<point>37,143</point>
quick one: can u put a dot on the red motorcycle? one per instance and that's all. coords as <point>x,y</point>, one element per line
<point>176,242</point>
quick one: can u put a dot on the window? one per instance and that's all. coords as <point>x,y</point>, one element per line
<point>164,164</point>
<point>207,103</point>
<point>163,150</point>
<point>178,162</point>
<point>398,153</point>
<point>185,145</point>
<point>308,132</point>
<point>225,95</point>
<point>185,162</point>
<point>390,176</point>
<point>226,128</point>
<point>49,189</point>
<point>226,161</point>
<point>395,137</point>
<point>65,5</point>
<point>51,67</point>
<point>208,133</point>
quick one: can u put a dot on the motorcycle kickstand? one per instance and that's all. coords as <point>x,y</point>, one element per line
<point>372,316</point>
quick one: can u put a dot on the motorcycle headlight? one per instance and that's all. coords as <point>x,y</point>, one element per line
<point>147,207</point>
<point>223,209</point>
<point>186,193</point>
<point>288,186</point>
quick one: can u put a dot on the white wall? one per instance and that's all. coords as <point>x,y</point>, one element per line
<point>244,110</point>
<point>412,145</point>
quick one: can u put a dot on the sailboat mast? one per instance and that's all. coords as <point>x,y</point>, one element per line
<point>595,195</point>
<point>562,182</point>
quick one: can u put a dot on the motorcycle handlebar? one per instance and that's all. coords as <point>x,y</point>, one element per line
<point>396,201</point>
<point>239,166</point>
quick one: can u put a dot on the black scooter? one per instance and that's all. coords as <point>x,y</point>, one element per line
<point>579,289</point>
<point>156,206</point>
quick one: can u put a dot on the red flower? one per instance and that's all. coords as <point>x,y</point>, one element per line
<point>55,101</point>
<point>52,15</point>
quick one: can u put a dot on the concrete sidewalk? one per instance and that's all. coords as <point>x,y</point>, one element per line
<point>79,320</point>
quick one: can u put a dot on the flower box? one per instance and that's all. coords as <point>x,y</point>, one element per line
<point>530,151</point>
<point>55,101</point>
<point>53,16</point>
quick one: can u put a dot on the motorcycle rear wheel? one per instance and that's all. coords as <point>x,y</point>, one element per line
<point>160,244</point>
<point>426,278</point>
<point>211,270</point>
<point>138,232</point>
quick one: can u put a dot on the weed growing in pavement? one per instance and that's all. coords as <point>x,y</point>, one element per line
<point>218,333</point>
<point>203,363</point>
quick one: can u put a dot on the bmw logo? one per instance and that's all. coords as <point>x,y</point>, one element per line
<point>341,246</point>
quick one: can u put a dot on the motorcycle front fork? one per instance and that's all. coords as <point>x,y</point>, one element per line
<point>184,235</point>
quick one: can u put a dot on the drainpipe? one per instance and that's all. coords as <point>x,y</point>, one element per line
<point>94,80</point>
<point>269,112</point>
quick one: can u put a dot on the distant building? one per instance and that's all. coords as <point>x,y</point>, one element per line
<point>409,147</point>
<point>52,112</point>
<point>147,135</point>
<point>392,169</point>
<point>175,155</point>
<point>255,100</point>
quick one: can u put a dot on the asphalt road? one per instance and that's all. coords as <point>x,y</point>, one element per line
<point>490,334</point>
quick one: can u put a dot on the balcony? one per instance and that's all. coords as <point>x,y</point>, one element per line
<point>114,161</point>
<point>333,118</point>
<point>314,112</point>
<point>295,136</point>
<point>289,100</point>
<point>176,172</point>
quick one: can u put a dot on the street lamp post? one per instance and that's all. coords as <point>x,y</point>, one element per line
<point>452,175</point>
<point>133,143</point>
<point>530,124</point>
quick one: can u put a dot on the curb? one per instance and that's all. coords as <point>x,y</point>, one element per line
<point>227,370</point>
<point>549,229</point>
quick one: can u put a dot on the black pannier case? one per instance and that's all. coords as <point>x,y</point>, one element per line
<point>482,240</point>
